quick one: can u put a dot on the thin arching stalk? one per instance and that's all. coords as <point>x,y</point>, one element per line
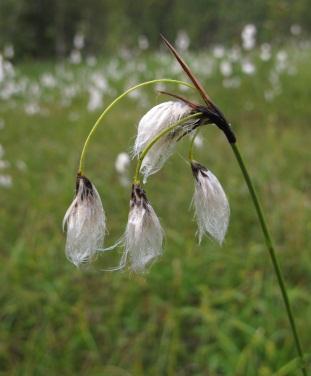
<point>272,252</point>
<point>113,103</point>
<point>190,154</point>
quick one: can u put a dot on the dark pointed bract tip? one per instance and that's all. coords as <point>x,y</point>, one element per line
<point>218,117</point>
<point>87,185</point>
<point>196,168</point>
<point>138,196</point>
<point>188,72</point>
<point>192,105</point>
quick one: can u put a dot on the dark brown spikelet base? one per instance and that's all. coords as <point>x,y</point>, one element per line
<point>197,169</point>
<point>87,186</point>
<point>138,197</point>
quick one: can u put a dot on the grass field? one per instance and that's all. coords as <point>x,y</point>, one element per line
<point>201,310</point>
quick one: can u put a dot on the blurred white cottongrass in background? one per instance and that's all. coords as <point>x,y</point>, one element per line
<point>143,42</point>
<point>295,29</point>
<point>182,42</point>
<point>248,67</point>
<point>64,82</point>
<point>122,165</point>
<point>225,68</point>
<point>5,179</point>
<point>79,41</point>
<point>8,51</point>
<point>219,51</point>
<point>248,36</point>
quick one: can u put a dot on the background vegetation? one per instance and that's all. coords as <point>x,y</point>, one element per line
<point>202,310</point>
<point>43,28</point>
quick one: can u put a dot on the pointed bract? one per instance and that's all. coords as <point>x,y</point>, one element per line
<point>144,235</point>
<point>85,223</point>
<point>211,206</point>
<point>217,116</point>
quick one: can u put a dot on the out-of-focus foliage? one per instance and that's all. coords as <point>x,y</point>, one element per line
<point>46,28</point>
<point>202,309</point>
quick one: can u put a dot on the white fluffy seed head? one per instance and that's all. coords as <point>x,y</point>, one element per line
<point>144,235</point>
<point>157,156</point>
<point>151,124</point>
<point>156,120</point>
<point>85,223</point>
<point>211,206</point>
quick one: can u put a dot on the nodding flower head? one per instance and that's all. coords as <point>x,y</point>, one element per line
<point>144,234</point>
<point>151,124</point>
<point>211,206</point>
<point>85,223</point>
<point>157,119</point>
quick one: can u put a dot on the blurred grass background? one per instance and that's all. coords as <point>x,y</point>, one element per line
<point>201,310</point>
<point>45,29</point>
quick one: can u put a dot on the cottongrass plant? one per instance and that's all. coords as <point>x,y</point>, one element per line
<point>158,132</point>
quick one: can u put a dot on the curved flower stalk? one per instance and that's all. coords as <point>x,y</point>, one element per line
<point>155,121</point>
<point>210,203</point>
<point>113,103</point>
<point>143,236</point>
<point>85,223</point>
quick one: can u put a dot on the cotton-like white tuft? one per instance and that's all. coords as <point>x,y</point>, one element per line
<point>157,156</point>
<point>211,206</point>
<point>144,235</point>
<point>156,120</point>
<point>151,124</point>
<point>85,223</point>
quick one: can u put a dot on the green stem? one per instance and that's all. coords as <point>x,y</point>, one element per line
<point>272,253</point>
<point>113,103</point>
<point>190,155</point>
<point>155,139</point>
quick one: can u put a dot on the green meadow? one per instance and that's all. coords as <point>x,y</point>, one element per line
<point>201,309</point>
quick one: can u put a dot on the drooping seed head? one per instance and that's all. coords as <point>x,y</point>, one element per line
<point>157,119</point>
<point>85,223</point>
<point>144,235</point>
<point>210,203</point>
<point>151,124</point>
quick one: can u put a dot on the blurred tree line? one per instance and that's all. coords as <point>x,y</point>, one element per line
<point>45,28</point>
